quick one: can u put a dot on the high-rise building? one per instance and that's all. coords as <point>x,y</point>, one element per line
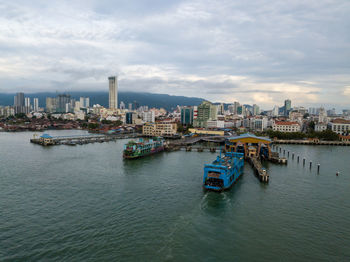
<point>275,111</point>
<point>51,104</point>
<point>206,111</point>
<point>84,102</point>
<point>19,103</point>
<point>122,105</point>
<point>187,115</point>
<point>36,104</point>
<point>62,101</point>
<point>130,107</point>
<point>221,109</point>
<point>235,108</point>
<point>287,106</point>
<point>256,110</point>
<point>113,92</point>
<point>27,105</point>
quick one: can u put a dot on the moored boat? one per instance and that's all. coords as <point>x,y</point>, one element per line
<point>223,172</point>
<point>141,148</point>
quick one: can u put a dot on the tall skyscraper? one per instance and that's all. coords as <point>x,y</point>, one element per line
<point>187,115</point>
<point>84,102</point>
<point>287,106</point>
<point>113,92</point>
<point>27,105</point>
<point>19,103</point>
<point>256,110</point>
<point>51,104</point>
<point>62,101</point>
<point>36,104</point>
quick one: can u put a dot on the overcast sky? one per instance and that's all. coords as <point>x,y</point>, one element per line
<point>252,51</point>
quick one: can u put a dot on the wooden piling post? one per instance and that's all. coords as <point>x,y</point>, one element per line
<point>310,164</point>
<point>303,161</point>
<point>293,156</point>
<point>298,159</point>
<point>318,168</point>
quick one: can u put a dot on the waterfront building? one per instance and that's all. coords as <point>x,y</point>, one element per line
<point>340,126</point>
<point>287,106</point>
<point>113,92</point>
<point>206,111</point>
<point>122,105</point>
<point>244,143</point>
<point>206,132</point>
<point>19,103</point>
<point>320,127</point>
<point>345,138</point>
<point>286,126</point>
<point>187,115</point>
<point>159,129</point>
<point>130,107</point>
<point>36,104</point>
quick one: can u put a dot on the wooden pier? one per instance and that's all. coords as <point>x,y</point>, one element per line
<point>47,140</point>
<point>260,172</point>
<point>312,142</point>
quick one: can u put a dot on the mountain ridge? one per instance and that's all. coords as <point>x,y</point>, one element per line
<point>166,101</point>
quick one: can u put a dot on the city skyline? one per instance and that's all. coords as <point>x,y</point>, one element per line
<point>223,52</point>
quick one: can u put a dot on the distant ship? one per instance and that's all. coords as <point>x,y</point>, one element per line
<point>141,148</point>
<point>223,172</point>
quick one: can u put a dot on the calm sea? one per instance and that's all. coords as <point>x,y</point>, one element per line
<point>85,203</point>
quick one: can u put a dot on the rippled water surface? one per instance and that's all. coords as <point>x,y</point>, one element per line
<point>85,203</point>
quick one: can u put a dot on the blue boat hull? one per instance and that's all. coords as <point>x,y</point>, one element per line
<point>223,172</point>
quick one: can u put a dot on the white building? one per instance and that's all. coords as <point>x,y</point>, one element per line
<point>286,126</point>
<point>84,102</point>
<point>215,124</point>
<point>340,126</point>
<point>113,92</point>
<point>148,117</point>
<point>320,127</point>
<point>322,116</point>
<point>36,104</point>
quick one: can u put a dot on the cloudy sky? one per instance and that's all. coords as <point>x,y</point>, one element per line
<point>254,51</point>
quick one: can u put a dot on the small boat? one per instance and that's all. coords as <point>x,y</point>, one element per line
<point>141,148</point>
<point>223,172</point>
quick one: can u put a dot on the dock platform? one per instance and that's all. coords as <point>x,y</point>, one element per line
<point>260,172</point>
<point>47,140</point>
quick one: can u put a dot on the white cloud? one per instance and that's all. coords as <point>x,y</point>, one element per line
<point>255,52</point>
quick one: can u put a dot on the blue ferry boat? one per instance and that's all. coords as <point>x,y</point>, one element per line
<point>223,172</point>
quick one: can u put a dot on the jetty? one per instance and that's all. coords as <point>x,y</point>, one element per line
<point>47,140</point>
<point>259,170</point>
<point>312,142</point>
